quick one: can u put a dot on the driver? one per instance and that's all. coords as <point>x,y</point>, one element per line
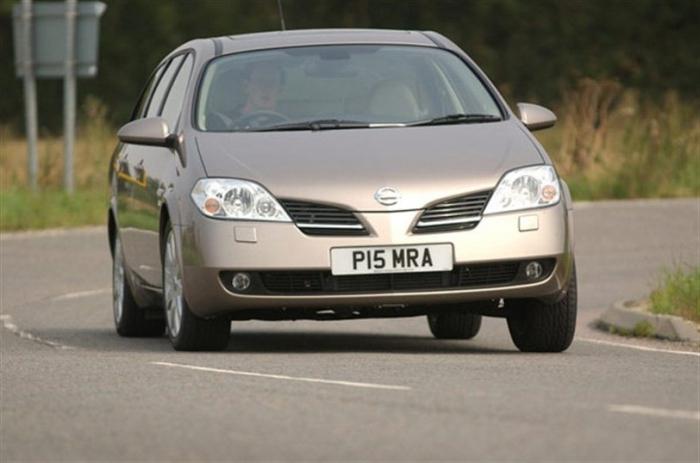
<point>262,87</point>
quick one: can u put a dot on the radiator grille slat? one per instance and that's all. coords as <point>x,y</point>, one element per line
<point>462,213</point>
<point>323,220</point>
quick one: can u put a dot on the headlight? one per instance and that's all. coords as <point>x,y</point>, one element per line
<point>237,199</point>
<point>525,188</point>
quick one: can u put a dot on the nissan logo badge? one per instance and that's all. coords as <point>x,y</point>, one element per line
<point>387,196</point>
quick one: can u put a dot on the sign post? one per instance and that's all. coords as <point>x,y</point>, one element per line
<point>55,40</point>
<point>69,98</point>
<point>29,95</point>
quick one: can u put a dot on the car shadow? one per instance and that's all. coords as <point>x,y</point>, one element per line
<point>298,342</point>
<point>334,342</point>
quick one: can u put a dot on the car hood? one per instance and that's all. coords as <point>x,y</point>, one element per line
<point>347,167</point>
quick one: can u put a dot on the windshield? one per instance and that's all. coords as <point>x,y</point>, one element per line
<point>347,86</point>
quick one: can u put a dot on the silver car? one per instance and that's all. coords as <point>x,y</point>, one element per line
<point>336,174</point>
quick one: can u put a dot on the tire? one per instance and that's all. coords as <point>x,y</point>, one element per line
<point>129,319</point>
<point>540,327</point>
<point>454,325</point>
<point>187,331</point>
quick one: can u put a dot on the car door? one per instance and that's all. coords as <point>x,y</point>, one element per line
<point>155,169</point>
<point>126,180</point>
<point>138,222</point>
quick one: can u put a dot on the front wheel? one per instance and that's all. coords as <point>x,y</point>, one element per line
<point>536,326</point>
<point>129,319</point>
<point>454,325</point>
<point>186,330</point>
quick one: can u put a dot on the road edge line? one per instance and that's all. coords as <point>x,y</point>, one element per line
<point>634,346</point>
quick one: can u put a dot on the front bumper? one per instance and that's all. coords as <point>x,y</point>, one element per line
<point>210,247</point>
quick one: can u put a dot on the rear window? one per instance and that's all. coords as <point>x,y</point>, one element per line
<point>363,83</point>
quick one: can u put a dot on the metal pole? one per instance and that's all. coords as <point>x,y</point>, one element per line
<point>281,12</point>
<point>69,97</point>
<point>30,112</point>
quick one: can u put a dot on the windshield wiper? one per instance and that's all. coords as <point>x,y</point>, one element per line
<point>320,124</point>
<point>457,119</point>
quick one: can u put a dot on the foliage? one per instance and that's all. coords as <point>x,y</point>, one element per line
<point>678,293</point>
<point>533,50</point>
<point>611,144</point>
<point>643,329</point>
<point>94,143</point>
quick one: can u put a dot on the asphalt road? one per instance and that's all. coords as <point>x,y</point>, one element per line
<point>71,389</point>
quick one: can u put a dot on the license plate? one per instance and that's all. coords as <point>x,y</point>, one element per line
<point>391,259</point>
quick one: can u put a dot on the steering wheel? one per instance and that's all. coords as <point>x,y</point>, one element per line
<point>259,119</point>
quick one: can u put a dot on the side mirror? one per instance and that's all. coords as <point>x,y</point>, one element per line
<point>153,131</point>
<point>536,117</point>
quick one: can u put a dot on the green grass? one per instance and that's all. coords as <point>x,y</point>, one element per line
<point>643,329</point>
<point>23,210</point>
<point>678,294</point>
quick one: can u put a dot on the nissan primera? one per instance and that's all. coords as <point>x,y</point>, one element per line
<point>336,174</point>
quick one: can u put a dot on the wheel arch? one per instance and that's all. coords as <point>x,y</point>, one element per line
<point>111,230</point>
<point>163,223</point>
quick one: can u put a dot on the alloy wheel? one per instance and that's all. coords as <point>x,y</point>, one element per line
<point>172,287</point>
<point>118,282</point>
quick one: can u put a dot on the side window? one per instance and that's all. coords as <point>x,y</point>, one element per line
<point>162,87</point>
<point>141,105</point>
<point>176,95</point>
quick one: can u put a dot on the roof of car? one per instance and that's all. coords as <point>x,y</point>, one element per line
<point>305,37</point>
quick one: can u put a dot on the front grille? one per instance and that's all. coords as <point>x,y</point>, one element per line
<point>321,219</point>
<point>462,213</point>
<point>462,276</point>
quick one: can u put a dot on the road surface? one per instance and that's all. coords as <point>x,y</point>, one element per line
<point>71,389</point>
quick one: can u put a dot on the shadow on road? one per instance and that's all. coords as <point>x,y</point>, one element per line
<point>300,342</point>
<point>316,342</point>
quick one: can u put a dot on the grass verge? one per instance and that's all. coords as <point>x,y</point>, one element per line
<point>678,294</point>
<point>22,210</point>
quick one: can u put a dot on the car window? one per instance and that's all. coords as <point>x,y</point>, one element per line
<point>173,102</point>
<point>140,107</point>
<point>373,84</point>
<point>162,87</point>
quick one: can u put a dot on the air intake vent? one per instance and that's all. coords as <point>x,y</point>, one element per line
<point>478,275</point>
<point>320,219</point>
<point>462,213</point>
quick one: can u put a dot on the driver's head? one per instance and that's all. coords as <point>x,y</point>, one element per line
<point>263,87</point>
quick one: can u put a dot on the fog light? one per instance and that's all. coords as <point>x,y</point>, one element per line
<point>240,281</point>
<point>533,270</point>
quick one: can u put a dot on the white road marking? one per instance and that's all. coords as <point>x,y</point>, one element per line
<point>660,412</point>
<point>79,294</point>
<point>283,377</point>
<point>14,329</point>
<point>634,346</point>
